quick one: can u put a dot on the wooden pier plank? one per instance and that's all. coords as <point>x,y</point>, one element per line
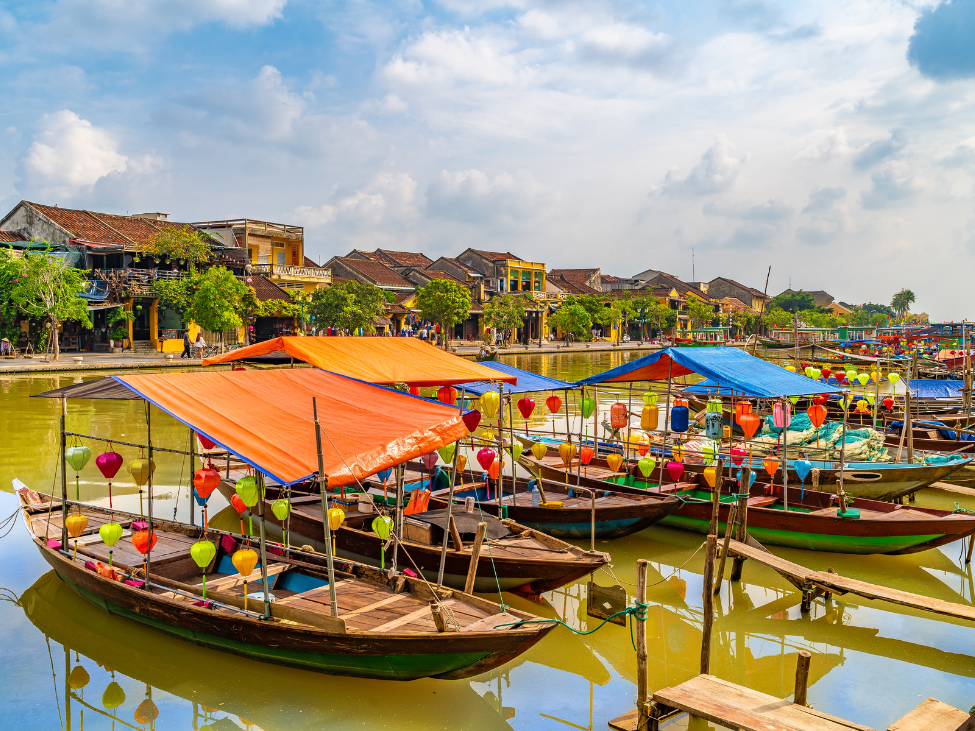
<point>931,715</point>
<point>719,701</point>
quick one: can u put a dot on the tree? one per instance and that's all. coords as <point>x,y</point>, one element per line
<point>182,244</point>
<point>218,301</point>
<point>874,309</point>
<point>444,302</point>
<point>901,302</point>
<point>9,277</point>
<point>777,318</point>
<point>660,315</point>
<point>793,301</point>
<point>627,307</point>
<point>48,289</point>
<point>700,313</point>
<point>505,313</point>
<point>571,319</point>
<point>177,294</point>
<point>348,306</point>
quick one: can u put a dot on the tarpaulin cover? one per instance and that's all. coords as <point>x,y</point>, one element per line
<point>932,388</point>
<point>731,368</point>
<point>944,431</point>
<point>375,360</point>
<point>527,381</point>
<point>265,418</point>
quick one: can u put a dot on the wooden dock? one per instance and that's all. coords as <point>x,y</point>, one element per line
<point>813,583</point>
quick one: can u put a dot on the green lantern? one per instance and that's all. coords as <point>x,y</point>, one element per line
<point>587,406</point>
<point>281,509</point>
<point>516,449</point>
<point>650,398</point>
<point>248,490</point>
<point>77,457</point>
<point>714,406</point>
<point>382,527</point>
<point>113,696</point>
<point>110,534</point>
<point>447,452</point>
<point>203,552</point>
<point>646,465</point>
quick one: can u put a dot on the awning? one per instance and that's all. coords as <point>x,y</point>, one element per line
<point>528,382</point>
<point>374,360</point>
<point>265,418</point>
<point>734,370</point>
<point>929,388</point>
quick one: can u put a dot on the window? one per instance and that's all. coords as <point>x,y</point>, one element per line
<point>280,258</point>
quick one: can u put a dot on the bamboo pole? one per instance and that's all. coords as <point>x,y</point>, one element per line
<point>802,677</point>
<point>729,526</point>
<point>742,521</point>
<point>267,591</point>
<point>642,689</point>
<point>149,485</point>
<point>450,505</point>
<point>64,478</point>
<point>475,556</point>
<point>323,489</point>
<point>716,497</point>
<point>786,407</point>
<point>708,608</point>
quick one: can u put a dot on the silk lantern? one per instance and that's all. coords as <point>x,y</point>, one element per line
<point>893,378</point>
<point>146,712</point>
<point>109,463</point>
<point>646,465</point>
<point>515,450</point>
<point>336,516</point>
<point>526,407</point>
<point>248,490</point>
<point>675,470</point>
<point>141,469</point>
<point>144,541</point>
<point>566,452</point>
<point>709,450</point>
<point>382,527</point>
<point>586,454</point>
<point>202,553</point>
<point>205,442</point>
<point>781,414</point>
<point>429,460</point>
<point>771,465</point>
<point>447,395</point>
<point>737,456</point>
<point>78,678</point>
<point>205,481</point>
<point>554,403</point>
<point>650,398</point>
<point>791,368</point>
<point>446,453</point>
<point>618,415</point>
<point>802,467</point>
<point>826,373</point>
<point>77,457</point>
<point>281,509</point>
<point>490,401</point>
<point>713,425</point>
<point>679,415</point>
<point>749,423</point>
<point>76,524</point>
<point>751,481</point>
<point>863,378</point>
<point>649,418</point>
<point>711,475</point>
<point>587,406</point>
<point>110,534</point>
<point>539,450</point>
<point>889,403</point>
<point>471,419</point>
<point>614,461</point>
<point>113,696</point>
<point>817,415</point>
<point>244,561</point>
<point>485,457</point>
<point>494,470</point>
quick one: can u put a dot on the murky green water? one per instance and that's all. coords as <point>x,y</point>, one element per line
<point>872,662</point>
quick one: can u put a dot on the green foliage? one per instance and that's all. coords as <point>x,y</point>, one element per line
<point>793,301</point>
<point>177,294</point>
<point>875,309</point>
<point>9,277</point>
<point>118,321</point>
<point>777,318</point>
<point>591,303</point>
<point>902,301</point>
<point>657,314</point>
<point>217,303</point>
<point>179,244</point>
<point>572,318</point>
<point>445,303</point>
<point>348,306</point>
<point>504,313</point>
<point>280,308</point>
<point>701,313</point>
<point>48,289</point>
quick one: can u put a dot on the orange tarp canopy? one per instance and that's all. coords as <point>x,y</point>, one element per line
<point>375,360</point>
<point>265,418</point>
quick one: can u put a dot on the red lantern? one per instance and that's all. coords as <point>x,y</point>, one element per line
<point>618,415</point>
<point>415,390</point>
<point>737,456</point>
<point>141,541</point>
<point>526,406</point>
<point>447,395</point>
<point>840,375</point>
<point>817,415</point>
<point>826,372</point>
<point>205,481</point>
<point>485,457</point>
<point>238,503</point>
<point>889,403</point>
<point>586,454</point>
<point>819,400</point>
<point>204,442</point>
<point>554,403</point>
<point>471,419</point>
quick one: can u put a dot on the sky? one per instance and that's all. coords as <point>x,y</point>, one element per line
<point>832,141</point>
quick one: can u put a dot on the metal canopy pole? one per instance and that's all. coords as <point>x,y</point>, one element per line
<point>64,479</point>
<point>267,597</point>
<point>149,443</point>
<point>192,472</point>
<point>663,449</point>
<point>323,488</point>
<point>398,526</point>
<point>450,498</point>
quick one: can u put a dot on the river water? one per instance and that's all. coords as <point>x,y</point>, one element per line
<point>872,662</point>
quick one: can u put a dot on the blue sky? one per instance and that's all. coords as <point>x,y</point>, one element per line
<point>834,141</point>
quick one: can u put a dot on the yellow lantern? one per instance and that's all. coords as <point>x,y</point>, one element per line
<point>490,401</point>
<point>141,469</point>
<point>461,463</point>
<point>711,474</point>
<point>76,524</point>
<point>649,418</point>
<point>336,516</point>
<point>678,452</point>
<point>539,450</point>
<point>78,678</point>
<point>791,368</point>
<point>614,461</point>
<point>566,452</point>
<point>244,561</point>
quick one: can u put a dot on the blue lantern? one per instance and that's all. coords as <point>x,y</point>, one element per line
<point>679,416</point>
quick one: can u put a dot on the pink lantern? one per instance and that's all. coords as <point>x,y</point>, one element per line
<point>737,456</point>
<point>109,464</point>
<point>429,460</point>
<point>782,414</point>
<point>204,442</point>
<point>526,406</point>
<point>485,457</point>
<point>675,470</point>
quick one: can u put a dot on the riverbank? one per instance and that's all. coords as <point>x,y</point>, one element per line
<point>130,361</point>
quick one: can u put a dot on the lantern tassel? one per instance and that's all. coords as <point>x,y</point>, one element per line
<point>245,595</point>
<point>204,586</point>
<point>109,557</point>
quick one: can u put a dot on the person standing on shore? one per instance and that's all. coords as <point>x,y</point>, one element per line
<point>186,346</point>
<point>200,344</point>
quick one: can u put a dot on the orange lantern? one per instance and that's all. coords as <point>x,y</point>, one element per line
<point>817,415</point>
<point>495,469</point>
<point>618,415</point>
<point>586,454</point>
<point>143,541</point>
<point>206,481</point>
<point>749,423</point>
<point>554,403</point>
<point>771,465</point>
<point>447,395</point>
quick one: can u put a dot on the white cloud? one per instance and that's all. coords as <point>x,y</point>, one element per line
<point>387,195</point>
<point>164,15</point>
<point>471,196</point>
<point>69,153</point>
<point>830,143</point>
<point>625,44</point>
<point>454,56</point>
<point>718,170</point>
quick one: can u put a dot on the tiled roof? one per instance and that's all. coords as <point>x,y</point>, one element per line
<point>610,278</point>
<point>437,274</point>
<point>578,275</point>
<point>572,287</point>
<point>264,288</point>
<point>12,236</point>
<point>751,290</point>
<point>310,263</point>
<point>371,256</point>
<point>378,272</point>
<point>682,288</point>
<point>495,255</point>
<point>405,258</point>
<point>462,265</point>
<point>105,228</point>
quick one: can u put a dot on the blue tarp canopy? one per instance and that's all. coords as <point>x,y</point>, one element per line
<point>527,381</point>
<point>931,388</point>
<point>731,369</point>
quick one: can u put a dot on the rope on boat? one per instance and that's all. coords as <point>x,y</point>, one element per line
<point>958,509</point>
<point>638,611</point>
<point>445,609</point>
<point>609,568</point>
<point>11,520</point>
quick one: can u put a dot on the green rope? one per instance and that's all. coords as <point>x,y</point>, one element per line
<point>638,611</point>
<point>960,509</point>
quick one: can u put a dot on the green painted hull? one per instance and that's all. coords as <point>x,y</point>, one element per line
<point>381,667</point>
<point>811,541</point>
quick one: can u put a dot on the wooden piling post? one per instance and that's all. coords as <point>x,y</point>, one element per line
<point>642,689</point>
<point>742,525</point>
<point>455,534</point>
<point>475,555</point>
<point>708,609</point>
<point>438,619</point>
<point>802,677</point>
<point>729,526</point>
<point>716,498</point>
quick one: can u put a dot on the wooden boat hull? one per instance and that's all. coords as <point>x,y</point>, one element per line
<point>799,529</point>
<point>531,576</point>
<point>385,657</point>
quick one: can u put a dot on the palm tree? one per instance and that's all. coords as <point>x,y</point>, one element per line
<point>902,302</point>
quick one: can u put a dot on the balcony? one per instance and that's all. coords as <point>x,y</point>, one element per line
<point>278,271</point>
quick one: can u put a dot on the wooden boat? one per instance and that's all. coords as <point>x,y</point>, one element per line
<point>811,521</point>
<point>569,513</point>
<point>522,559</point>
<point>385,627</point>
